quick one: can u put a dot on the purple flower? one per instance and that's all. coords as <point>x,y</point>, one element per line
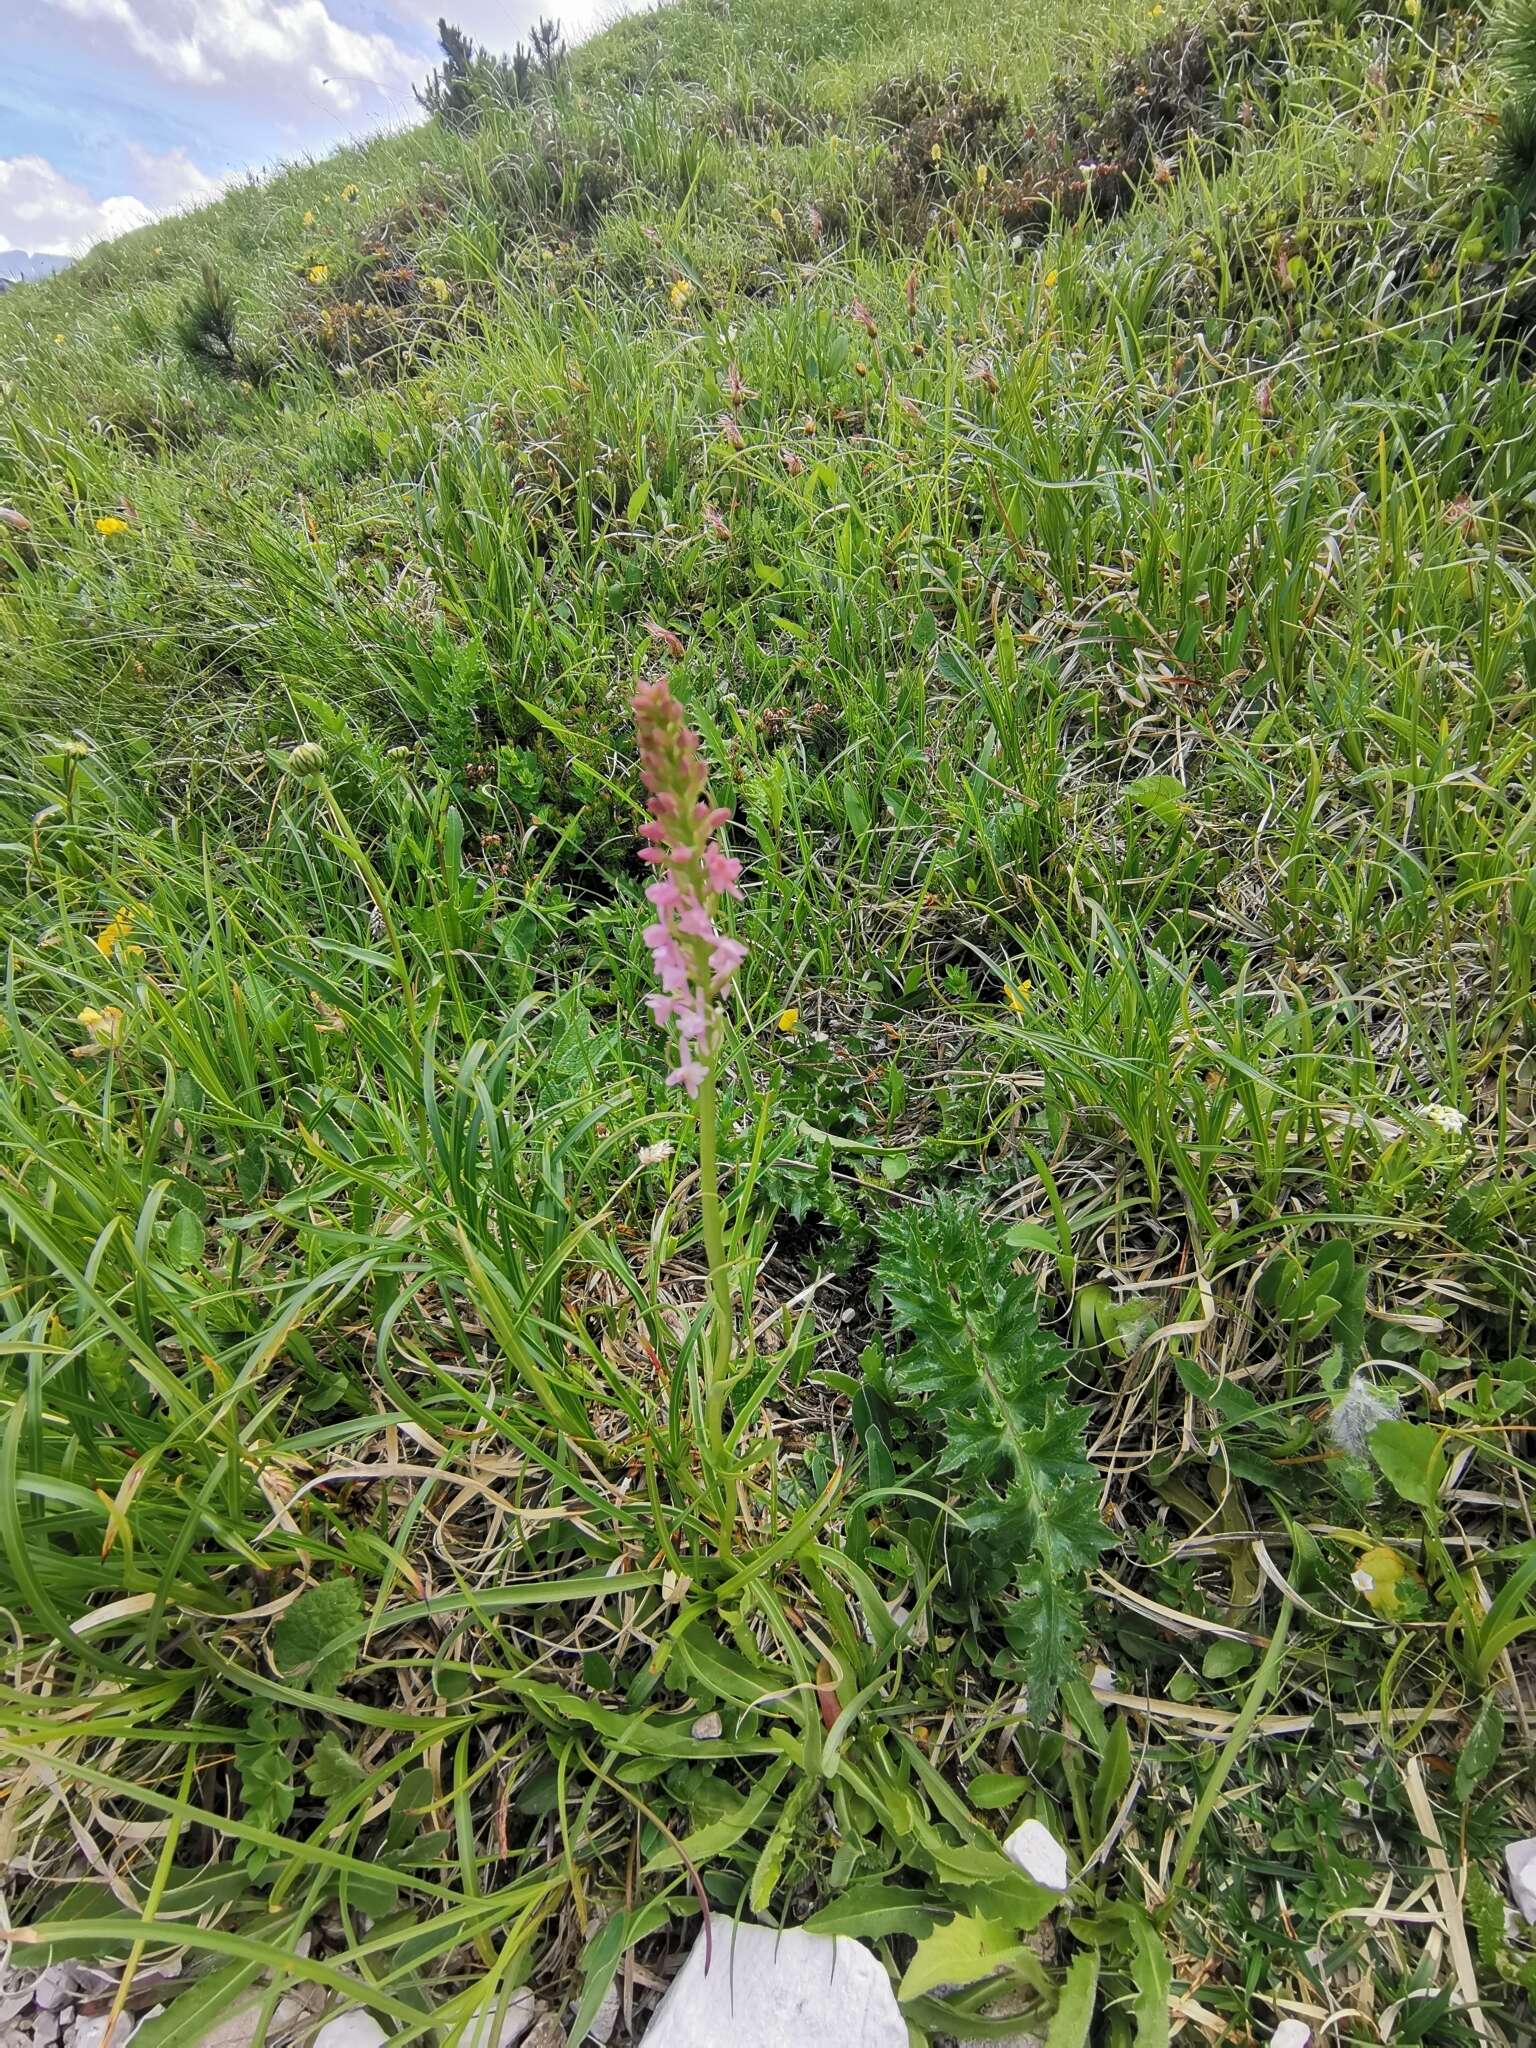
<point>693,960</point>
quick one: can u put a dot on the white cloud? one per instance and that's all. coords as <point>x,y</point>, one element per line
<point>269,52</point>
<point>48,214</point>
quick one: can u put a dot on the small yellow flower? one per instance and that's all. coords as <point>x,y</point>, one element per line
<point>113,934</point>
<point>1017,993</point>
<point>1159,11</point>
<point>682,291</point>
<point>981,177</point>
<point>110,526</point>
<point>1384,1578</point>
<point>1051,277</point>
<point>435,288</point>
<point>936,153</point>
<point>103,1030</point>
<point>60,340</point>
<point>788,1019</point>
<point>349,192</point>
<point>775,216</point>
<point>159,252</point>
<point>319,272</point>
<point>309,217</point>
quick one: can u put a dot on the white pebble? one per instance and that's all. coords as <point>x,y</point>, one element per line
<point>1290,2034</point>
<point>1038,1854</point>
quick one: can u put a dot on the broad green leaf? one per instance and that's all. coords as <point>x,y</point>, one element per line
<point>992,1791</point>
<point>963,1951</point>
<point>184,1240</point>
<point>866,1911</point>
<point>1410,1459</point>
<point>1225,1658</point>
<point>716,1837</point>
<point>1481,1750</point>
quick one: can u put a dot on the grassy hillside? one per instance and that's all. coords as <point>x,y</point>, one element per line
<point>1076,464</point>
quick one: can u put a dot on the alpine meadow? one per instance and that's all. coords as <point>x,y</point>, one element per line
<point>767,1090</point>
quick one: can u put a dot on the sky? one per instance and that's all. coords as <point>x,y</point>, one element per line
<point>113,112</point>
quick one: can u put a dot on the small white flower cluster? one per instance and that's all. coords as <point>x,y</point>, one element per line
<point>1444,1118</point>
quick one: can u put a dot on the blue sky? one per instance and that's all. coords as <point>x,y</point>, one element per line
<point>115,111</point>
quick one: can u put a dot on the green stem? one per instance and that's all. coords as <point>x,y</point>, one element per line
<point>717,1350</point>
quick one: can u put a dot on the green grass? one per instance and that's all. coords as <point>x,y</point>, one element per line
<point>1113,636</point>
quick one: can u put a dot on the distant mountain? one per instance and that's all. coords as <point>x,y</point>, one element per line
<point>16,266</point>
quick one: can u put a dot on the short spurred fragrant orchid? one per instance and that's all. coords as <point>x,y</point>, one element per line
<point>694,960</point>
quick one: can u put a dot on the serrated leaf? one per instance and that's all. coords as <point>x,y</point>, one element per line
<point>982,1382</point>
<point>310,1644</point>
<point>332,1769</point>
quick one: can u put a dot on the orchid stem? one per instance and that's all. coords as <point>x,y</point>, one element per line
<point>717,1353</point>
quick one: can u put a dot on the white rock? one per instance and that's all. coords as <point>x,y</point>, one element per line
<point>45,2029</point>
<point>354,2029</point>
<point>1290,2034</point>
<point>1038,1854</point>
<point>1520,1862</point>
<point>500,2023</point>
<point>764,1989</point>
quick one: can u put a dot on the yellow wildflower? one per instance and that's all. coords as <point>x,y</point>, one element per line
<point>435,288</point>
<point>1051,277</point>
<point>1385,1579</point>
<point>348,194</point>
<point>775,216</point>
<point>788,1019</point>
<point>110,526</point>
<point>319,272</point>
<point>1159,11</point>
<point>103,1030</point>
<point>681,292</point>
<point>309,216</point>
<point>937,153</point>
<point>111,937</point>
<point>61,339</point>
<point>1017,993</point>
<point>981,177</point>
